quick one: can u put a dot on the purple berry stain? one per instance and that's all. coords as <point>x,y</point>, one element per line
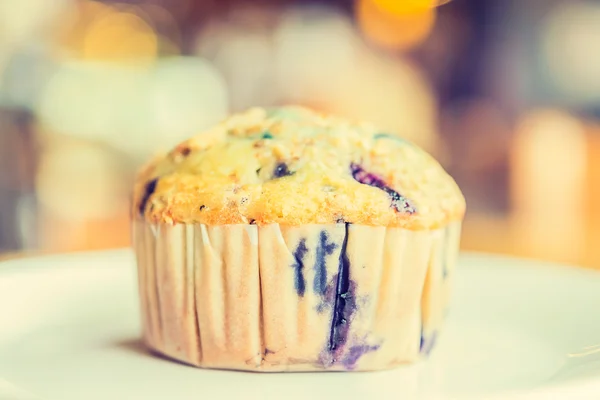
<point>185,151</point>
<point>355,353</point>
<point>148,191</point>
<point>344,301</point>
<point>427,343</point>
<point>268,351</point>
<point>328,298</point>
<point>399,202</point>
<point>341,293</point>
<point>299,281</point>
<point>281,170</point>
<point>324,249</point>
<point>340,296</point>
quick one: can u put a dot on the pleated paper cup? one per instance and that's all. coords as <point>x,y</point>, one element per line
<point>293,298</point>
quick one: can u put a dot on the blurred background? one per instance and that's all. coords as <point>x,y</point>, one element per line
<point>506,93</point>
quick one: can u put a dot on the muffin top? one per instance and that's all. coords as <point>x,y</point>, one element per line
<point>294,166</point>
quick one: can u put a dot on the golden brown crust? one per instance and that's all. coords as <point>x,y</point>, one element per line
<point>292,166</point>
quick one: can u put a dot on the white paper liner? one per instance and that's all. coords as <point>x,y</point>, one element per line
<point>264,298</point>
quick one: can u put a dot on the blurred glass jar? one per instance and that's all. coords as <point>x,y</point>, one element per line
<point>18,166</point>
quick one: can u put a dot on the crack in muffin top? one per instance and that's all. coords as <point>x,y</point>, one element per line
<point>294,166</point>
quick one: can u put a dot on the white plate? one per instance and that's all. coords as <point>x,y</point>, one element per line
<point>69,329</point>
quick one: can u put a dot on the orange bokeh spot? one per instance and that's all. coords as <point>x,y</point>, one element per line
<point>395,31</point>
<point>96,31</point>
<point>119,36</point>
<point>403,7</point>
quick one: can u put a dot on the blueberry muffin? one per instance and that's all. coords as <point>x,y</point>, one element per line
<point>287,240</point>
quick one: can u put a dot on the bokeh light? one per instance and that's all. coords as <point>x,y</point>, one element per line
<point>313,49</point>
<point>242,48</point>
<point>569,41</point>
<point>109,33</point>
<point>20,20</point>
<point>400,31</point>
<point>138,109</point>
<point>403,7</point>
<point>548,186</point>
<point>119,35</point>
<point>90,178</point>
